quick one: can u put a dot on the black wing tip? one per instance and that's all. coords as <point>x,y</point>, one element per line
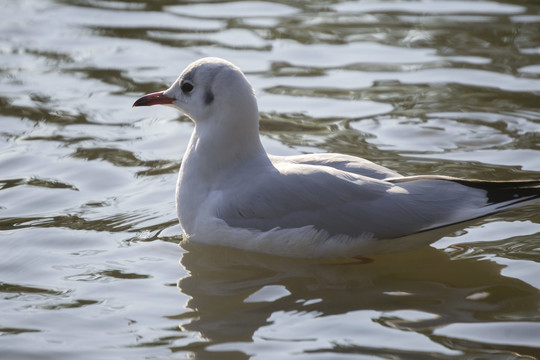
<point>508,193</point>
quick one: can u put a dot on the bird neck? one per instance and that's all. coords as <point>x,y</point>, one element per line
<point>217,147</point>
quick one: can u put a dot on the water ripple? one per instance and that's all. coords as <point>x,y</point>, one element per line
<point>88,229</point>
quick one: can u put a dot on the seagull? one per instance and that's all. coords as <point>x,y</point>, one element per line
<point>231,193</point>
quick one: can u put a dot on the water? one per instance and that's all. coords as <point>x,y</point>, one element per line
<point>91,267</point>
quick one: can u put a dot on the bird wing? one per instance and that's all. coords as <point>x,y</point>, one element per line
<point>339,202</point>
<point>348,163</point>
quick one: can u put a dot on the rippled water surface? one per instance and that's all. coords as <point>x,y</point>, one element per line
<point>91,267</point>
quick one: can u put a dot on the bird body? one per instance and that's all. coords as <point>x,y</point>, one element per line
<point>230,192</point>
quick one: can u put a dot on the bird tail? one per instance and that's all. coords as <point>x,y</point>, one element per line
<point>506,194</point>
<point>486,198</point>
<point>500,195</point>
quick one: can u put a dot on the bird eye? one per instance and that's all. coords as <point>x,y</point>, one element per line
<point>186,87</point>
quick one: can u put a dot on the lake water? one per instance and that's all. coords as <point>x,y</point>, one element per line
<point>91,267</point>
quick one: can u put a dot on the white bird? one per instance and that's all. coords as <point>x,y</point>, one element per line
<point>230,192</point>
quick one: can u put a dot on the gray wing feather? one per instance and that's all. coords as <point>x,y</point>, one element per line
<point>348,163</point>
<point>339,202</point>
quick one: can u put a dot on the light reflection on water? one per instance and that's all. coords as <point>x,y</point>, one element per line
<point>89,235</point>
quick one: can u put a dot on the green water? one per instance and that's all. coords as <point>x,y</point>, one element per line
<point>91,267</point>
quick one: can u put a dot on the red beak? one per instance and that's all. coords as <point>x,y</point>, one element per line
<point>153,99</point>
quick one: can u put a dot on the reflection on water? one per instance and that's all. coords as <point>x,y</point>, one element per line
<point>88,227</point>
<point>357,307</point>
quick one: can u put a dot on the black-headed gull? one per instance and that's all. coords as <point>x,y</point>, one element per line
<point>230,192</point>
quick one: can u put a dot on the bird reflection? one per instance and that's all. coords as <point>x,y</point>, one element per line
<point>451,286</point>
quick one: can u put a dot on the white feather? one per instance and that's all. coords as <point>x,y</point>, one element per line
<point>230,192</point>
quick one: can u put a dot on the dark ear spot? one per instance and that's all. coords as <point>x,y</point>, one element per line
<point>208,97</point>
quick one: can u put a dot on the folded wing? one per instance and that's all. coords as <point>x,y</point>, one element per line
<point>340,202</point>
